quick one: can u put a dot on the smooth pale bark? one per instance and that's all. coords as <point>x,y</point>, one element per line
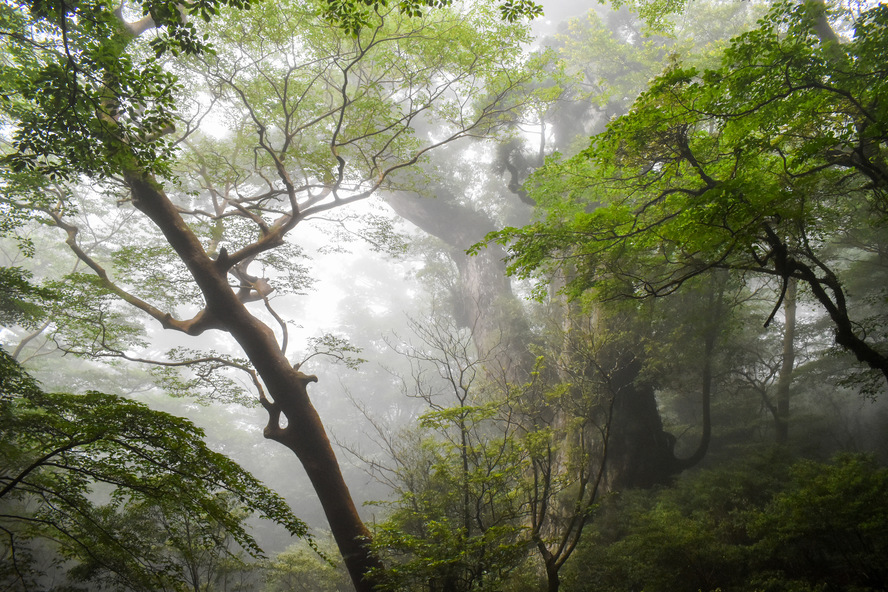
<point>784,380</point>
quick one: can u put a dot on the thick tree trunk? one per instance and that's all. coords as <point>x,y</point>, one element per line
<point>639,450</point>
<point>553,580</point>
<point>640,453</point>
<point>484,300</point>
<point>305,435</point>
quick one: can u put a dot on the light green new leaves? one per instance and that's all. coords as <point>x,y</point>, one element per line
<point>209,376</point>
<point>88,318</point>
<point>353,15</point>
<point>343,111</point>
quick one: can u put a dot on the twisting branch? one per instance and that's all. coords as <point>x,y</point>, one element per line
<point>281,322</point>
<point>198,324</point>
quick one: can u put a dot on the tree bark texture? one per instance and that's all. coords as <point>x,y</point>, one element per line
<point>484,298</point>
<point>640,451</point>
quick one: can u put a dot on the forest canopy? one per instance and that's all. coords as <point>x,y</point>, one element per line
<point>593,300</point>
<point>763,166</point>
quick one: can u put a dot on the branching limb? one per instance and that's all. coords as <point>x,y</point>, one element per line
<point>198,324</point>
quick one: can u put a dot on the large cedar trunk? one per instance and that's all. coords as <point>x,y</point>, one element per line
<point>483,299</point>
<point>639,451</point>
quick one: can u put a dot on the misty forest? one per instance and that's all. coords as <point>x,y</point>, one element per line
<point>429,295</point>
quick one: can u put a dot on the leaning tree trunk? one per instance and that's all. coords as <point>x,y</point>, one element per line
<point>304,433</point>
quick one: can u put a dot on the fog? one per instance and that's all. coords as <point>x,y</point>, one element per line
<point>416,344</point>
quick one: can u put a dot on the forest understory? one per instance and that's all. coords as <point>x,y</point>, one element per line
<point>427,296</point>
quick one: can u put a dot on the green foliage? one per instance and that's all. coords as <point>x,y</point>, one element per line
<point>458,519</point>
<point>760,165</point>
<point>73,94</point>
<point>213,377</point>
<point>207,375</point>
<point>353,15</point>
<point>334,347</point>
<point>88,317</point>
<point>655,13</point>
<point>379,232</point>
<point>178,546</point>
<point>704,158</point>
<point>830,526</point>
<point>85,471</point>
<point>759,524</point>
<point>20,300</point>
<point>84,98</point>
<point>157,270</point>
<point>495,472</point>
<point>300,567</point>
<point>81,96</point>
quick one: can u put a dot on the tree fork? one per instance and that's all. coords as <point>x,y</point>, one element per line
<point>788,268</point>
<point>844,327</point>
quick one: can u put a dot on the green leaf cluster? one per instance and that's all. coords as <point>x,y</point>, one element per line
<point>687,180</point>
<point>352,15</point>
<point>768,165</point>
<point>207,375</point>
<point>334,347</point>
<point>76,467</point>
<point>81,96</point>
<point>77,101</point>
<point>764,523</point>
<point>88,318</point>
<point>300,567</point>
<point>458,520</point>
